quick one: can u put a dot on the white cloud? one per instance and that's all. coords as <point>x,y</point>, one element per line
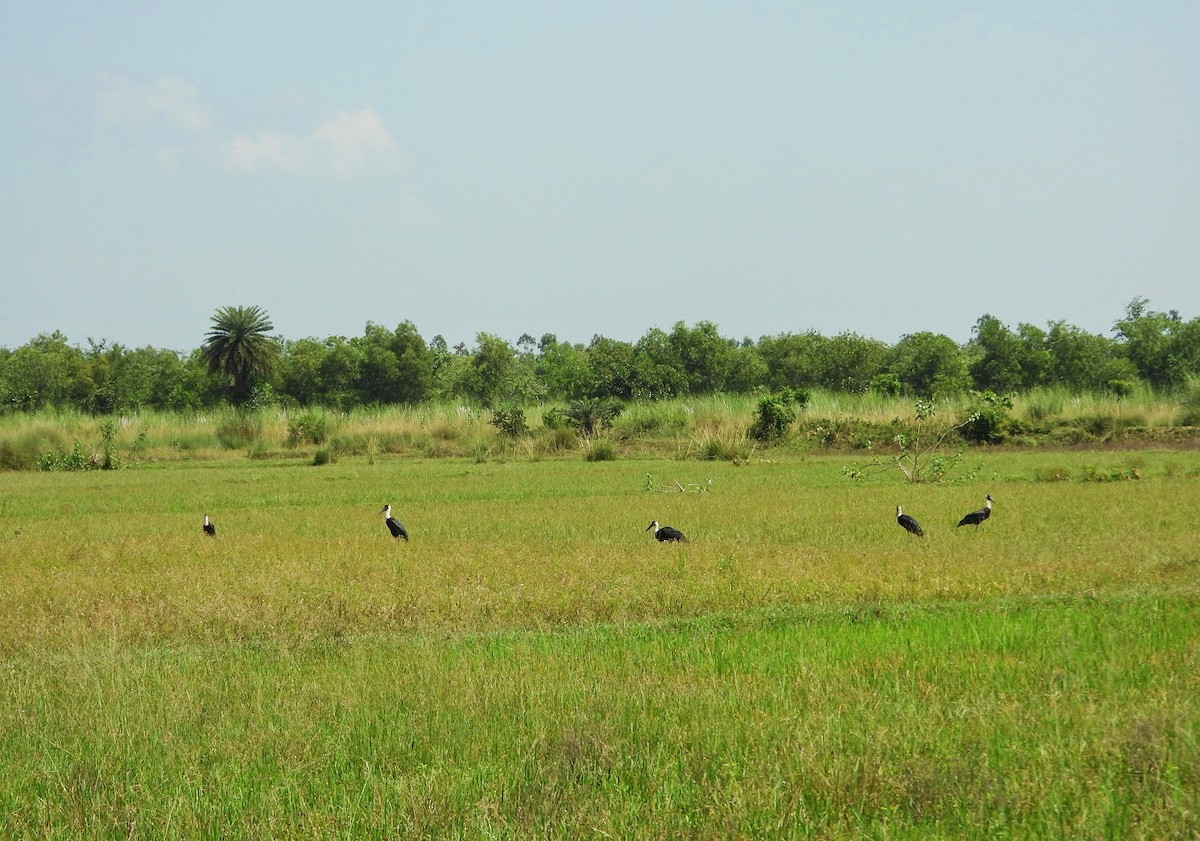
<point>172,99</point>
<point>351,141</point>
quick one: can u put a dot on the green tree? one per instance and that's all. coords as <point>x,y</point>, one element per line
<point>300,371</point>
<point>1036,359</point>
<point>850,362</point>
<point>177,382</point>
<point>341,372</point>
<point>928,364</point>
<point>45,371</point>
<point>792,360</point>
<point>240,348</point>
<point>656,368</point>
<point>705,357</point>
<point>1084,361</point>
<point>997,355</point>
<point>493,368</point>
<point>562,367</point>
<point>748,371</point>
<point>611,368</point>
<point>396,366</point>
<point>1163,348</point>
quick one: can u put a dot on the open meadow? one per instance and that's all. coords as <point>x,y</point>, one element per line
<point>534,664</point>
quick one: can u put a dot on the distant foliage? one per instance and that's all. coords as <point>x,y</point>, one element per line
<point>240,363</point>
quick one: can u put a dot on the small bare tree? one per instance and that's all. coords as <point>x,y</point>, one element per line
<point>917,458</point>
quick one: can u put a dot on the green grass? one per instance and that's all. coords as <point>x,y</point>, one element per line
<point>533,664</point>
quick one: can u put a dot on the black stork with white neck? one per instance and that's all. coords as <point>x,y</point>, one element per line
<point>977,517</point>
<point>910,525</point>
<point>664,534</point>
<point>393,524</point>
<point>209,528</point>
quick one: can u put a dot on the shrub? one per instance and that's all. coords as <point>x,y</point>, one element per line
<point>888,385</point>
<point>774,415</point>
<point>510,421</point>
<point>556,419</point>
<point>592,414</point>
<point>309,427</point>
<point>60,458</point>
<point>988,423</point>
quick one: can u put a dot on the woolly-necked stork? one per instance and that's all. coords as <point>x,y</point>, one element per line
<point>910,525</point>
<point>666,533</point>
<point>977,517</point>
<point>209,528</point>
<point>393,524</point>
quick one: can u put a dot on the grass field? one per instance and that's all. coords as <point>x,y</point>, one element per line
<point>533,664</point>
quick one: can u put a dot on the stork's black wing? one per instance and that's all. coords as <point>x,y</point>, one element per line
<point>975,517</point>
<point>396,529</point>
<point>910,525</point>
<point>669,533</point>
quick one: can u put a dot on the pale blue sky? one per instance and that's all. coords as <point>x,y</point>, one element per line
<point>530,167</point>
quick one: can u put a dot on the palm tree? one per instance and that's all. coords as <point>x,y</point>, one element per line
<point>238,346</point>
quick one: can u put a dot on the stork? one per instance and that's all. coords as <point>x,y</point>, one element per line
<point>209,528</point>
<point>910,525</point>
<point>977,517</point>
<point>666,533</point>
<point>393,524</point>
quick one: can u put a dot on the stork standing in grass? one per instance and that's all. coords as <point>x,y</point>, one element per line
<point>910,525</point>
<point>393,524</point>
<point>977,517</point>
<point>664,534</point>
<point>209,528</point>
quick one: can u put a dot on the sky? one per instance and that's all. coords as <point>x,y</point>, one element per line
<point>603,168</point>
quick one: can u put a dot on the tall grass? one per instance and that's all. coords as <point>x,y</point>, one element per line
<point>705,428</point>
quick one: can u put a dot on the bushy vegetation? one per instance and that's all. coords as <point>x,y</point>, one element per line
<point>722,427</point>
<point>239,364</point>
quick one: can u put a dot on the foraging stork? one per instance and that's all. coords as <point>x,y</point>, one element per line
<point>209,528</point>
<point>910,525</point>
<point>666,533</point>
<point>393,524</point>
<point>977,517</point>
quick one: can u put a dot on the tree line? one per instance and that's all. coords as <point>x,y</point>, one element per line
<point>240,362</point>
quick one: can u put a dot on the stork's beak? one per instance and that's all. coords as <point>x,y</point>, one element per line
<point>648,527</point>
<point>384,508</point>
